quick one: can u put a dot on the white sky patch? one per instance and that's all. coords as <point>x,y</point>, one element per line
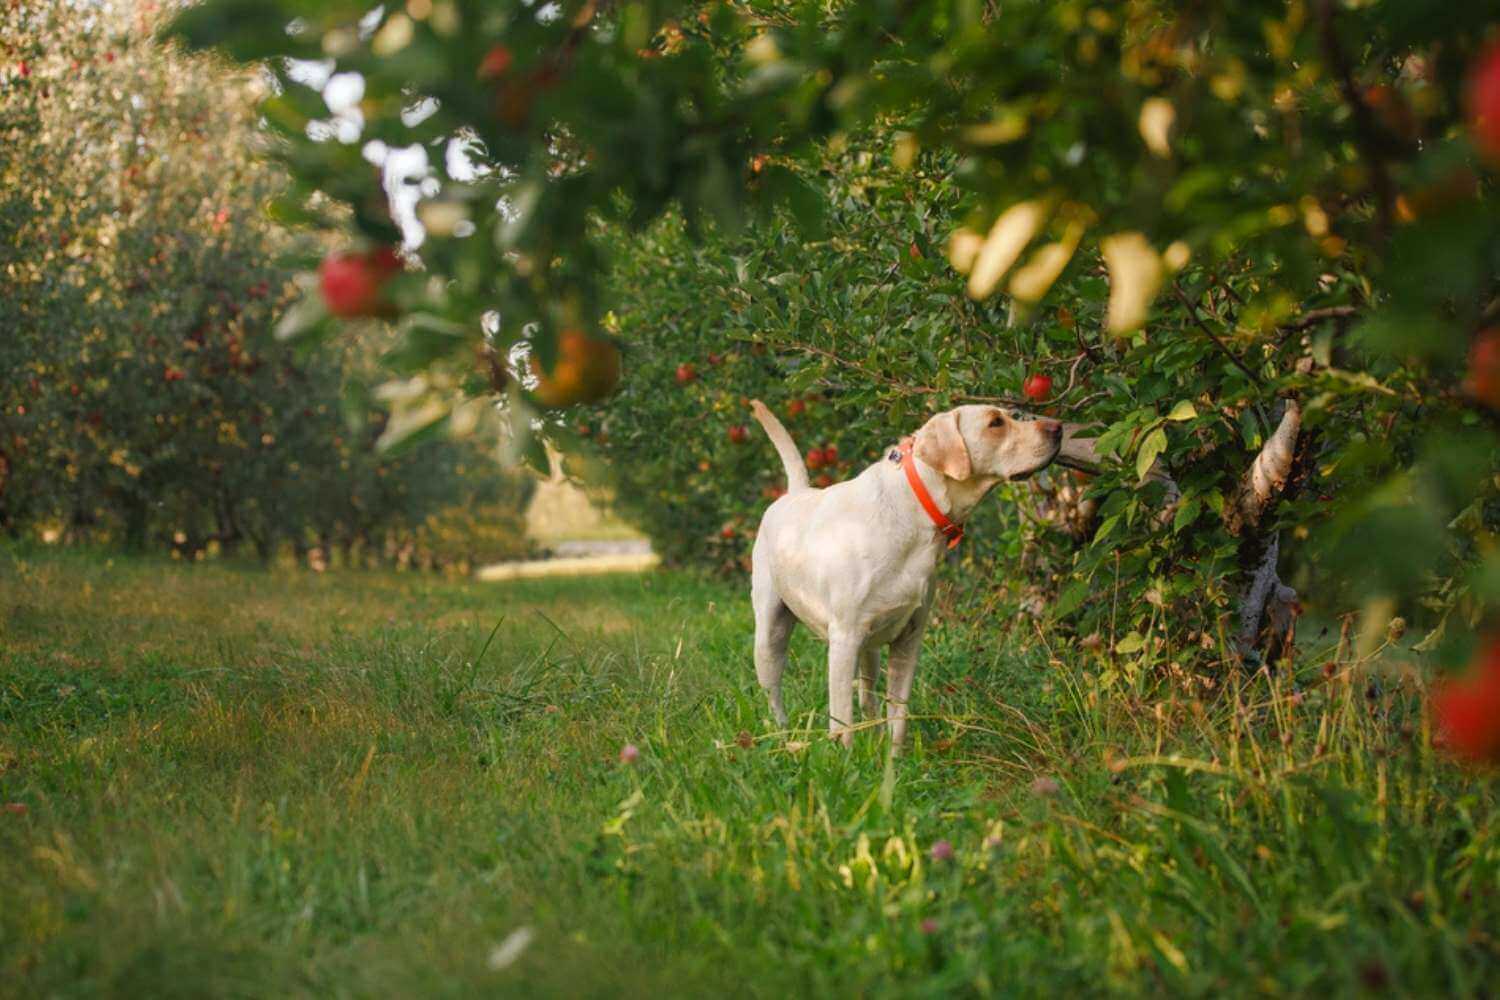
<point>402,168</point>
<point>407,172</point>
<point>312,73</point>
<point>343,92</point>
<point>417,113</point>
<point>460,165</point>
<point>370,22</point>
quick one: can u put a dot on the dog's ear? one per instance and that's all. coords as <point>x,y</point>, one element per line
<point>941,445</point>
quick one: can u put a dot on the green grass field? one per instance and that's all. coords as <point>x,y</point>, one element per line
<point>246,783</point>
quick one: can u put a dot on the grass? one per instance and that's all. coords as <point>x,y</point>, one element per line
<point>238,782</point>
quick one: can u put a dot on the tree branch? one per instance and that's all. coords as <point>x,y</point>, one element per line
<point>1223,348</point>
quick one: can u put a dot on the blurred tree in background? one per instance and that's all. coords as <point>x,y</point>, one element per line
<point>143,396</point>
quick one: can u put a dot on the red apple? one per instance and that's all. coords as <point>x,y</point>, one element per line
<point>715,359</point>
<point>585,370</point>
<point>1037,387</point>
<point>353,283</point>
<point>830,455</point>
<point>815,458</point>
<point>686,373</point>
<point>823,481</point>
<point>1483,96</point>
<point>739,434</point>
<point>1393,110</point>
<point>495,64</point>
<point>1467,708</point>
<point>1483,382</point>
<point>726,532</point>
<point>796,408</point>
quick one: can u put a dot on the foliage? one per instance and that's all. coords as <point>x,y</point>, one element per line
<point>143,394</point>
<point>851,341</point>
<point>347,784</point>
<point>1296,180</point>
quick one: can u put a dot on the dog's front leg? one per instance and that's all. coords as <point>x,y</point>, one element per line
<point>901,671</point>
<point>869,676</point>
<point>843,659</point>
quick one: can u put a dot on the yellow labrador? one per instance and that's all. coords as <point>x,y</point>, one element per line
<point>855,562</point>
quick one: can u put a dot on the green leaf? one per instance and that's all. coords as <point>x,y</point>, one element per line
<point>412,424</point>
<point>425,338</point>
<point>1187,513</point>
<point>354,405</point>
<point>1132,643</point>
<point>1069,600</point>
<point>1184,410</point>
<point>806,203</point>
<point>1154,445</point>
<point>534,454</point>
<point>306,322</point>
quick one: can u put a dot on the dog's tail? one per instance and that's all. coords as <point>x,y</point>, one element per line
<point>791,458</point>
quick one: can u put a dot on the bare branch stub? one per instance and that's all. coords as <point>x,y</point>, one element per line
<point>1267,475</point>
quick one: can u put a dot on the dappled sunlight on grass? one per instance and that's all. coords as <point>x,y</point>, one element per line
<point>365,783</point>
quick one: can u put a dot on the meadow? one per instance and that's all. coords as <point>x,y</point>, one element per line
<point>225,781</point>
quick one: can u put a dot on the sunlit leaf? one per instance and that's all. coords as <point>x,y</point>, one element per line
<point>1155,124</point>
<point>1135,274</point>
<point>1007,238</point>
<point>1183,410</point>
<point>1154,445</point>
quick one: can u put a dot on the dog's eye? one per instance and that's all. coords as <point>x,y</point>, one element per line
<point>999,421</point>
<point>1017,415</point>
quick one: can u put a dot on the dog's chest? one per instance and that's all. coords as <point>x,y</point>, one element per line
<point>891,603</point>
<point>873,598</point>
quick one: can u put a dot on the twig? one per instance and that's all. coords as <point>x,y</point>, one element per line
<point>1073,371</point>
<point>1315,316</point>
<point>1223,348</point>
<point>1082,346</point>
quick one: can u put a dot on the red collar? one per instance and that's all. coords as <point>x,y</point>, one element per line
<point>948,529</point>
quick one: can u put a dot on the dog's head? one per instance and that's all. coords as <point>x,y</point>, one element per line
<point>988,442</point>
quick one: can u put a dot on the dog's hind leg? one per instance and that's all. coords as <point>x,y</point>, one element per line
<point>900,671</point>
<point>773,628</point>
<point>869,675</point>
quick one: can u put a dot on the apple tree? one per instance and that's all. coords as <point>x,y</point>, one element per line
<point>1253,244</point>
<point>143,394</point>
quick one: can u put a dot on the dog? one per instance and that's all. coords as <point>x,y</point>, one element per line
<point>855,562</point>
